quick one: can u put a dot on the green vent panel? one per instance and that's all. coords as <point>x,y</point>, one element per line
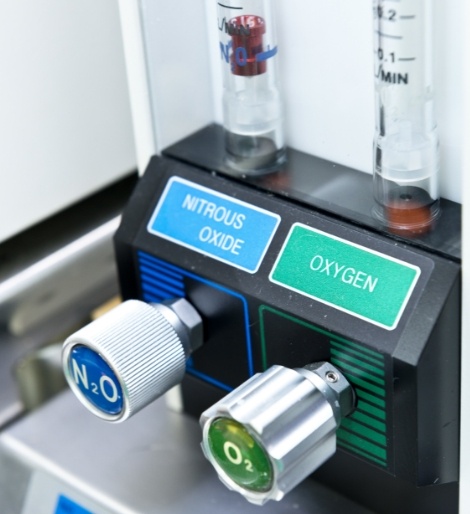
<point>364,433</point>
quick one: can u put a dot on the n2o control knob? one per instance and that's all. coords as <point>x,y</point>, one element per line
<point>131,355</point>
<point>274,430</point>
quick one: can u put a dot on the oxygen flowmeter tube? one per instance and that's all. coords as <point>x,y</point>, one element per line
<point>406,146</point>
<point>252,108</point>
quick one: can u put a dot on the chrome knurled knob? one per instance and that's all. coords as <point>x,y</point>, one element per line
<point>131,355</point>
<point>270,433</point>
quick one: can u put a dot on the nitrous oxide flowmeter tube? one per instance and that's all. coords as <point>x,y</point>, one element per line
<point>252,107</point>
<point>406,146</point>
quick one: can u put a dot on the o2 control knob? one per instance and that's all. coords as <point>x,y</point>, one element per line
<point>131,355</point>
<point>274,430</point>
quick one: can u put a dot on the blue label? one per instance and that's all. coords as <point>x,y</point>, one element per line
<point>214,224</point>
<point>67,506</point>
<point>96,380</point>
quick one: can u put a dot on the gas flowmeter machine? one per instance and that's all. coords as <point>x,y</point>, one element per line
<point>308,339</point>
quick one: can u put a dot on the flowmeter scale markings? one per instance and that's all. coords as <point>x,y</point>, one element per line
<point>213,224</point>
<point>349,277</point>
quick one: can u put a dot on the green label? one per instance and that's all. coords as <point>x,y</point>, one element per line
<point>354,279</point>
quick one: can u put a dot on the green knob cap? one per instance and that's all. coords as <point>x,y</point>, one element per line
<point>239,455</point>
<point>276,428</point>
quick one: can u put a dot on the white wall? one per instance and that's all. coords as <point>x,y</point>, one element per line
<point>65,124</point>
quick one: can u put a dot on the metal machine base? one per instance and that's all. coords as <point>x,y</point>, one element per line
<point>150,464</point>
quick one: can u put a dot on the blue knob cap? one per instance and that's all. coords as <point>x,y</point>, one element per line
<point>130,356</point>
<point>95,380</point>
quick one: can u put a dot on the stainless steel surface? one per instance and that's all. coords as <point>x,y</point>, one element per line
<point>39,375</point>
<point>61,280</point>
<point>151,464</point>
<point>14,353</point>
<point>293,415</point>
<point>10,352</point>
<point>51,277</point>
<point>145,346</point>
<point>63,266</point>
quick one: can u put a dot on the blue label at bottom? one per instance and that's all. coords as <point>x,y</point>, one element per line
<point>67,506</point>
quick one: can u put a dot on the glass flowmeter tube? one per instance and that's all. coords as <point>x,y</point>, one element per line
<point>252,107</point>
<point>406,146</point>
